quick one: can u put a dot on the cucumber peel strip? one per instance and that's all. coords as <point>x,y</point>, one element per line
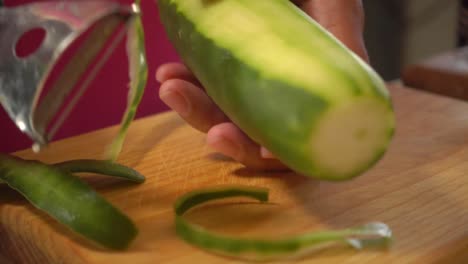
<point>371,234</point>
<point>69,200</point>
<point>103,167</point>
<point>138,72</point>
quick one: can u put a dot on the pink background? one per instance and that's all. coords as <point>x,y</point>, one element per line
<point>104,102</point>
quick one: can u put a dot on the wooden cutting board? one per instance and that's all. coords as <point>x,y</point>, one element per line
<point>420,189</point>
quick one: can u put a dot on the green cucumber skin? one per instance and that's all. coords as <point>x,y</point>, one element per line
<point>69,201</point>
<point>262,106</point>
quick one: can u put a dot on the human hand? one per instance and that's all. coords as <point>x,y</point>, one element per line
<point>183,93</point>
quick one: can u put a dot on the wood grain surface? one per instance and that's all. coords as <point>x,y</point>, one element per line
<point>420,189</point>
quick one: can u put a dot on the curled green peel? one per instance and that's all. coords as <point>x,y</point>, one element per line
<point>70,201</point>
<point>262,249</point>
<point>101,167</point>
<point>194,198</point>
<point>138,71</point>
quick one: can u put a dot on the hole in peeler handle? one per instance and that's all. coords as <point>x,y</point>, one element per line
<point>29,42</point>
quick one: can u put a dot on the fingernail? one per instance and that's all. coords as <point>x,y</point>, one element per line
<point>176,102</point>
<point>225,146</point>
<point>158,76</point>
<point>266,154</point>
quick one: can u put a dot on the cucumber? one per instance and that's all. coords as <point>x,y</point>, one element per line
<point>286,82</point>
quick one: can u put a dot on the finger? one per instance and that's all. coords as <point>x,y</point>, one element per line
<point>343,18</point>
<point>266,154</point>
<point>175,71</point>
<point>229,140</point>
<point>191,103</point>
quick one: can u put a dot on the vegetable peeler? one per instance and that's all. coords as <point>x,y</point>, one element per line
<point>22,79</point>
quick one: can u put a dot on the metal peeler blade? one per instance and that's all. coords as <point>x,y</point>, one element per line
<point>22,79</point>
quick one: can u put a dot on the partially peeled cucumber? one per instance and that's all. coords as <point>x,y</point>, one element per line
<point>286,82</point>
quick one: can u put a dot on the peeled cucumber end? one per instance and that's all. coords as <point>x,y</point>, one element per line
<point>351,138</point>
